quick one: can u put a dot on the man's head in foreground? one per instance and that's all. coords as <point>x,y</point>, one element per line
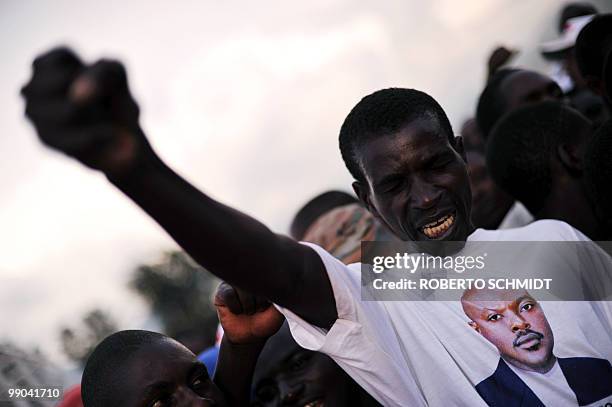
<point>146,369</point>
<point>515,323</point>
<point>409,169</point>
<point>288,375</point>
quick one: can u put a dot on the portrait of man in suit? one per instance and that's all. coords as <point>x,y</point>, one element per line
<point>528,372</point>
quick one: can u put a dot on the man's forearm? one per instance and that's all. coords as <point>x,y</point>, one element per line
<point>230,244</point>
<point>235,368</point>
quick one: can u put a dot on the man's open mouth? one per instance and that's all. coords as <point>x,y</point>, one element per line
<point>439,227</point>
<point>315,403</point>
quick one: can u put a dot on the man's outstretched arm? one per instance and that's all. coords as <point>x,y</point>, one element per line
<point>88,113</point>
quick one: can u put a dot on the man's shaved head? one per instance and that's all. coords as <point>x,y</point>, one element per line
<point>140,368</point>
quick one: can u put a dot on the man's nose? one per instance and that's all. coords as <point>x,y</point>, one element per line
<point>423,194</point>
<point>290,393</point>
<point>519,324</point>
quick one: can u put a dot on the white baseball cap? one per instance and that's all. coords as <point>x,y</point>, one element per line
<point>570,32</point>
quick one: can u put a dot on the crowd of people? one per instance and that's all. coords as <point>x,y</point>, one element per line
<point>533,164</point>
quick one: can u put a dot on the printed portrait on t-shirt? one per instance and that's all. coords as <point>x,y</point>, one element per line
<point>515,323</point>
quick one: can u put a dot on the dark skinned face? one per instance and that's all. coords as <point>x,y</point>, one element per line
<point>417,183</point>
<point>288,375</point>
<point>166,374</point>
<point>523,87</point>
<point>489,203</point>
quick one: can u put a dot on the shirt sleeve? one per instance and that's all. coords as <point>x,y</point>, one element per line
<point>361,341</point>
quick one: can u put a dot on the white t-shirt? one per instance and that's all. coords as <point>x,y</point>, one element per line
<point>516,217</point>
<point>415,353</point>
<point>551,387</point>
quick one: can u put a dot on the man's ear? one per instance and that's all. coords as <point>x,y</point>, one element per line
<point>363,193</point>
<point>570,155</point>
<point>459,148</point>
<point>474,326</point>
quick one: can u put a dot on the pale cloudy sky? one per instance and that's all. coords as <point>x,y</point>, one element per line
<point>243,98</point>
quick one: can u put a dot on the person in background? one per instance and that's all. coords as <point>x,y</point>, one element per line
<point>472,136</point>
<point>562,54</point>
<point>490,203</point>
<point>556,52</point>
<point>506,90</point>
<point>316,207</point>
<point>492,208</point>
<point>535,153</point>
<point>209,356</point>
<point>509,89</point>
<point>598,173</point>
<point>135,368</point>
<point>594,56</point>
<point>341,231</point>
<point>289,375</point>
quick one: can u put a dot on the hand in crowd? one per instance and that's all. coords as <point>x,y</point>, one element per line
<point>245,318</point>
<point>499,57</point>
<point>84,111</point>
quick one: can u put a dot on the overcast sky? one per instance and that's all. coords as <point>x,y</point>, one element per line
<point>245,99</point>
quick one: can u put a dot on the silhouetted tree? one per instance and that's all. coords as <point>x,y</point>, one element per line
<point>180,294</point>
<point>78,342</point>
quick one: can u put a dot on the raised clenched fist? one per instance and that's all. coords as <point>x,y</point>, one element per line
<point>246,318</point>
<point>85,111</point>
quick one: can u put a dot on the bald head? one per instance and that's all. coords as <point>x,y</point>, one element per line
<point>139,368</point>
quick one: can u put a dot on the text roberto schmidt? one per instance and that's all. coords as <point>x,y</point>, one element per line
<point>412,263</point>
<point>463,284</point>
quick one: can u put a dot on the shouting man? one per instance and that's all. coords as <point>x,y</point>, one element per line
<point>409,172</point>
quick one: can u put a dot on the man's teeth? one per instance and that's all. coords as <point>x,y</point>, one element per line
<point>439,227</point>
<point>317,403</point>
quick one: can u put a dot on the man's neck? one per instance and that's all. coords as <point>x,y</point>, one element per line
<point>550,363</point>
